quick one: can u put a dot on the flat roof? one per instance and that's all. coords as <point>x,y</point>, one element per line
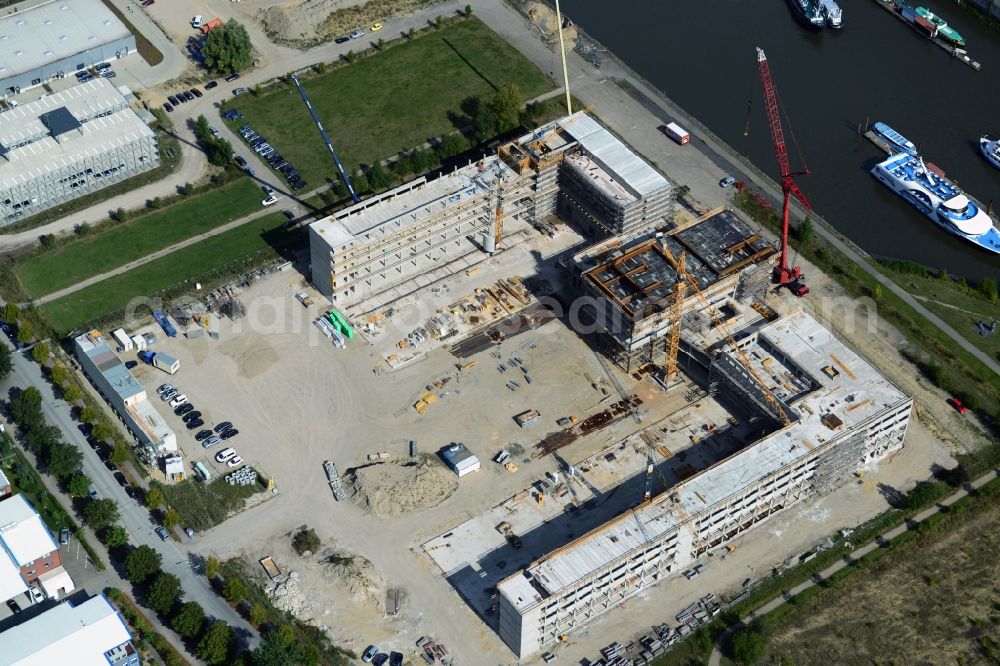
<point>147,419</point>
<point>408,204</point>
<point>66,634</point>
<point>853,399</point>
<point>11,583</point>
<point>23,535</point>
<point>97,350</point>
<point>613,155</point>
<point>4,481</point>
<point>52,31</point>
<point>84,101</point>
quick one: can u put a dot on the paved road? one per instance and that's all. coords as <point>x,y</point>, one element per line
<point>762,610</point>
<point>134,517</point>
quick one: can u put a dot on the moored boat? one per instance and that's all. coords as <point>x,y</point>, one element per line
<point>944,31</point>
<point>833,14</point>
<point>809,13</point>
<point>990,148</point>
<point>896,141</point>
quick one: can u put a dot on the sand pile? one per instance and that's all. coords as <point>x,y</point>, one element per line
<point>357,578</point>
<point>544,18</point>
<point>393,488</point>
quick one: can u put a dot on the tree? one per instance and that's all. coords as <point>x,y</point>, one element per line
<point>278,648</point>
<point>78,485</point>
<point>102,431</point>
<point>25,332</point>
<point>421,160</point>
<point>468,11</point>
<point>379,177</point>
<point>228,49</point>
<point>258,613</point>
<point>141,563</point>
<point>988,288</point>
<point>804,231</point>
<point>100,513</point>
<point>171,518</point>
<point>451,145</point>
<point>114,536</point>
<point>381,44</point>
<point>235,591</point>
<point>213,648</point>
<point>89,415</point>
<point>411,33</point>
<point>213,568</point>
<point>439,22</point>
<point>6,364</point>
<point>506,105</point>
<point>11,313</point>
<point>59,373</point>
<point>42,439</point>
<point>164,593</point>
<point>118,215</point>
<point>877,292</point>
<point>305,541</point>
<point>749,643</point>
<point>119,453</point>
<point>81,229</point>
<point>189,620</point>
<point>349,56</point>
<point>360,183</point>
<point>64,460</point>
<point>73,393</point>
<point>26,408</point>
<point>47,240</point>
<point>154,497</point>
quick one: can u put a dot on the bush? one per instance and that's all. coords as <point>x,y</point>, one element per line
<point>257,614</point>
<point>171,518</point>
<point>213,568</point>
<point>11,313</point>
<point>235,591</point>
<point>142,563</point>
<point>305,541</point>
<point>154,496</point>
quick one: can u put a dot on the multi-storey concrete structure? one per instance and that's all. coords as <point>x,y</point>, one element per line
<point>89,634</point>
<point>842,416</point>
<point>67,144</point>
<point>48,40</point>
<point>573,164</point>
<point>124,393</point>
<point>29,556</point>
<point>631,284</point>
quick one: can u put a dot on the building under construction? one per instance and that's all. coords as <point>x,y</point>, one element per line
<point>830,414</point>
<point>436,227</point>
<point>637,296</point>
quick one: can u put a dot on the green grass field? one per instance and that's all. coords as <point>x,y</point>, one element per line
<point>103,251</point>
<point>183,265</point>
<point>390,101</point>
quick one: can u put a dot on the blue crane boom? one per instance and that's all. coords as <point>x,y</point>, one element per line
<point>326,138</point>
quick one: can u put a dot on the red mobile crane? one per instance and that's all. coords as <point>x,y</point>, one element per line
<point>783,275</point>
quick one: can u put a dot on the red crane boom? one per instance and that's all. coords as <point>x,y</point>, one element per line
<point>783,274</point>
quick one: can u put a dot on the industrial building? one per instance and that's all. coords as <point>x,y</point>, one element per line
<point>124,393</point>
<point>68,144</point>
<point>48,40</point>
<point>574,164</point>
<point>632,285</point>
<point>92,633</point>
<point>29,556</point>
<point>831,414</point>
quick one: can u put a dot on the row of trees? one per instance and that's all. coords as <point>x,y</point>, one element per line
<point>218,151</point>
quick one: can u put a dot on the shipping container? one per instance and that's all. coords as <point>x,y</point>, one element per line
<point>124,342</point>
<point>167,363</point>
<point>677,133</point>
<point>459,459</point>
<point>211,25</point>
<point>525,419</point>
<point>139,342</point>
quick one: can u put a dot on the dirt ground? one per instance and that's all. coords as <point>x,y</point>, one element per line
<point>927,606</point>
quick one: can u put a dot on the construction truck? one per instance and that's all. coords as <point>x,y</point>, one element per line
<point>304,298</point>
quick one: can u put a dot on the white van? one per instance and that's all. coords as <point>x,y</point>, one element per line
<point>197,21</point>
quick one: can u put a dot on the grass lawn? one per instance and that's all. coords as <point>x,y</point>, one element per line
<point>205,505</point>
<point>390,101</point>
<point>184,265</point>
<point>105,250</point>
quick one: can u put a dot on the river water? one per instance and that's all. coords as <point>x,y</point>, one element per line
<point>700,53</point>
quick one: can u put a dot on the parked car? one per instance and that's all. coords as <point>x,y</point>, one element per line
<point>12,605</point>
<point>234,461</point>
<point>195,423</point>
<point>211,84</point>
<point>204,434</point>
<point>357,34</point>
<point>120,478</point>
<point>270,201</point>
<point>289,214</point>
<point>239,91</point>
<point>179,400</point>
<point>168,108</point>
<point>727,181</point>
<point>64,536</point>
<point>369,653</point>
<point>184,409</point>
<point>226,434</point>
<point>169,394</point>
<point>958,405</point>
<point>162,533</point>
<point>110,466</point>
<point>187,95</point>
<point>395,659</point>
<point>342,39</point>
<point>92,493</point>
<point>232,77</point>
<point>191,415</point>
<point>164,388</point>
<point>131,364</point>
<point>225,454</point>
<point>240,161</point>
<point>376,27</point>
<point>173,100</point>
<point>36,594</point>
<point>131,492</point>
<point>189,532</point>
<point>211,441</point>
<point>196,92</point>
<point>147,3</point>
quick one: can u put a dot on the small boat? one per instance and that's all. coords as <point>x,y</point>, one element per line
<point>833,13</point>
<point>944,31</point>
<point>809,13</point>
<point>925,187</point>
<point>896,141</point>
<point>990,148</point>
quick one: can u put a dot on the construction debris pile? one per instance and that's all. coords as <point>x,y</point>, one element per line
<point>358,578</point>
<point>613,414</point>
<point>286,596</point>
<point>391,489</point>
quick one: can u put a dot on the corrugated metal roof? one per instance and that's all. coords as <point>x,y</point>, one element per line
<point>613,155</point>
